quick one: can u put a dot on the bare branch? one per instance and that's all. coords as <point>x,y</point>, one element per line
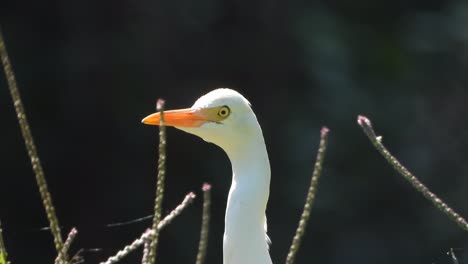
<point>366,125</point>
<point>159,185</point>
<point>32,152</point>
<point>203,245</point>
<point>310,197</point>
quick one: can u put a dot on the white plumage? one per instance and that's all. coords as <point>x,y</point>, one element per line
<point>224,117</point>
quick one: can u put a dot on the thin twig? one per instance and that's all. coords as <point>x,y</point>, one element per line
<point>452,255</point>
<point>32,152</point>
<point>145,237</point>
<point>66,246</point>
<point>141,219</point>
<point>366,125</point>
<point>310,197</point>
<point>159,184</point>
<point>77,258</point>
<point>202,246</point>
<point>3,252</point>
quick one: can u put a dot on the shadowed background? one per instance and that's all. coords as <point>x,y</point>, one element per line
<point>89,71</point>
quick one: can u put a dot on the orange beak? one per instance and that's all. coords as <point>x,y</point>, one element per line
<point>177,118</point>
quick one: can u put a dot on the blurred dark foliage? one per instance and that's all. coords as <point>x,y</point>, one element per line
<point>90,70</point>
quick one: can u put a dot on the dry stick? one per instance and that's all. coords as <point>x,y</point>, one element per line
<point>202,246</point>
<point>3,252</point>
<point>32,152</point>
<point>150,233</point>
<point>66,246</point>
<point>159,184</point>
<point>366,125</point>
<point>310,197</point>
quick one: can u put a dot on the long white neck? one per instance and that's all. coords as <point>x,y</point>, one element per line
<point>245,239</point>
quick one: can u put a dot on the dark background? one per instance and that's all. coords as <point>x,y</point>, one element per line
<point>89,71</point>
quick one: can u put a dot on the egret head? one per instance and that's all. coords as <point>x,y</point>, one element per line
<point>222,116</point>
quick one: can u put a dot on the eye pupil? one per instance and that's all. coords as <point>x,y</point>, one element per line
<point>223,112</point>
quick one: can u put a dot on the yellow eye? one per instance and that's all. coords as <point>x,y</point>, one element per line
<point>224,112</point>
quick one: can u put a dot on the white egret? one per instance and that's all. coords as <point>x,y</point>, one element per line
<point>224,117</point>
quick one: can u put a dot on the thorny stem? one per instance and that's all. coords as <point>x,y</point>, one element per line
<point>159,184</point>
<point>32,152</point>
<point>3,252</point>
<point>366,125</point>
<point>147,236</point>
<point>202,246</point>
<point>310,197</point>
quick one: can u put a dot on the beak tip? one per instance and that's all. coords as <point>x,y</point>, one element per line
<point>145,121</point>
